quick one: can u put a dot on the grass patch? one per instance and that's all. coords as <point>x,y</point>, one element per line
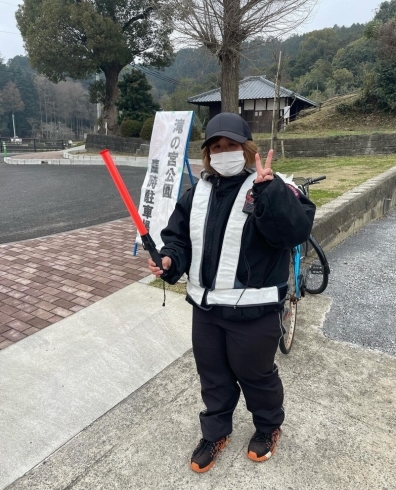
<point>176,288</point>
<point>343,173</point>
<point>320,197</point>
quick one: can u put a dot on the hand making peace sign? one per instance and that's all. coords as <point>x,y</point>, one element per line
<point>264,174</point>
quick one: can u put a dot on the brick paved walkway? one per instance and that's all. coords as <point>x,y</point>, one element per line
<point>46,279</point>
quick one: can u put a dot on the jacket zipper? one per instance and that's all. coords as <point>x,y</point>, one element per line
<point>204,235</point>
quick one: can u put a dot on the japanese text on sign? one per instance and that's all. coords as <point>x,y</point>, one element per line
<point>161,187</point>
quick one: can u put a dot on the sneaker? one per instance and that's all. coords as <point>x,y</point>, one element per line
<point>204,455</point>
<point>263,445</point>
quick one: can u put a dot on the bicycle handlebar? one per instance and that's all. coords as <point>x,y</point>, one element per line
<point>322,177</point>
<point>315,180</point>
<point>304,183</point>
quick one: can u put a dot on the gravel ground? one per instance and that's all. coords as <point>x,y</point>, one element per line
<point>362,285</point>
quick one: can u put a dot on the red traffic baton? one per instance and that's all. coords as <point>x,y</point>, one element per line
<point>148,242</point>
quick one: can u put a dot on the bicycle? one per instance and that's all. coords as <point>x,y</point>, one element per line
<point>308,272</point>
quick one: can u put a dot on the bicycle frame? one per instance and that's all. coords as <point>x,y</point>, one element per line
<point>297,282</point>
<point>297,268</point>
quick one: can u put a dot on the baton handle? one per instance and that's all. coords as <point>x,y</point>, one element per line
<point>148,242</point>
<point>149,245</point>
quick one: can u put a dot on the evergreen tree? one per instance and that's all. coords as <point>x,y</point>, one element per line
<point>22,75</point>
<point>386,11</point>
<point>384,87</point>
<point>135,101</point>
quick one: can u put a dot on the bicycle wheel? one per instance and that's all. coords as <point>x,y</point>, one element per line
<point>314,267</point>
<point>289,312</point>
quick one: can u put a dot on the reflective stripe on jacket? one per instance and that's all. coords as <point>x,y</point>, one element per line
<point>224,291</point>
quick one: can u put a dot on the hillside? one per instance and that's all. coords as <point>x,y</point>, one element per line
<point>201,70</point>
<point>338,116</point>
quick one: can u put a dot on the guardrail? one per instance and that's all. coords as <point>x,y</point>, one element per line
<point>31,145</point>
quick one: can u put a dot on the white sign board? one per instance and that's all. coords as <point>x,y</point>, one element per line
<point>160,190</point>
<point>286,112</point>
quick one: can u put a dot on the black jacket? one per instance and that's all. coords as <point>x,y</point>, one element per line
<point>280,221</point>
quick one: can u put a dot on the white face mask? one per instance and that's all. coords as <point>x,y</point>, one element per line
<point>228,163</point>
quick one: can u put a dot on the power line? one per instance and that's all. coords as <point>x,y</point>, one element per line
<point>8,32</point>
<point>12,4</point>
<point>173,80</point>
<point>160,76</point>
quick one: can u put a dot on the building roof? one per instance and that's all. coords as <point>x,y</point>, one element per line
<point>249,88</point>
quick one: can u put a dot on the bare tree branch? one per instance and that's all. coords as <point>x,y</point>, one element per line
<point>223,25</point>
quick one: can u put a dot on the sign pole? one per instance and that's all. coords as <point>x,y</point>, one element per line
<point>186,161</point>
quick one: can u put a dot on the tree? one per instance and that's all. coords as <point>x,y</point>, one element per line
<point>318,45</point>
<point>177,101</point>
<point>314,80</point>
<point>222,26</point>
<point>4,74</point>
<point>3,81</point>
<point>356,55</point>
<point>349,34</point>
<point>384,87</point>
<point>78,38</point>
<point>387,41</point>
<point>344,80</point>
<point>11,99</point>
<point>22,75</point>
<point>135,99</point>
<point>386,11</point>
<point>63,105</point>
<point>383,80</point>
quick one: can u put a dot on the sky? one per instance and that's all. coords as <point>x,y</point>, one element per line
<point>326,14</point>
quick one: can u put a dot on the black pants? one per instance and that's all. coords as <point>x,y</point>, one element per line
<point>232,355</point>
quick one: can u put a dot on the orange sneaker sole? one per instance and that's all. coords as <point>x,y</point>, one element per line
<point>253,456</point>
<point>195,467</point>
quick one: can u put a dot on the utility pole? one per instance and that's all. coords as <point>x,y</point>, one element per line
<point>275,112</point>
<point>13,124</point>
<point>97,104</point>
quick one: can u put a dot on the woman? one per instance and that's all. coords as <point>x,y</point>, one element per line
<point>232,234</point>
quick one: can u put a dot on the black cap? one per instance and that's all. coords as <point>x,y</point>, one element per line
<point>229,125</point>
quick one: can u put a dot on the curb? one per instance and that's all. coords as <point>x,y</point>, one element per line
<point>69,159</point>
<point>84,160</point>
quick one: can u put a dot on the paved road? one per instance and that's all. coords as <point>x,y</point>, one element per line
<point>362,286</point>
<point>39,200</point>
